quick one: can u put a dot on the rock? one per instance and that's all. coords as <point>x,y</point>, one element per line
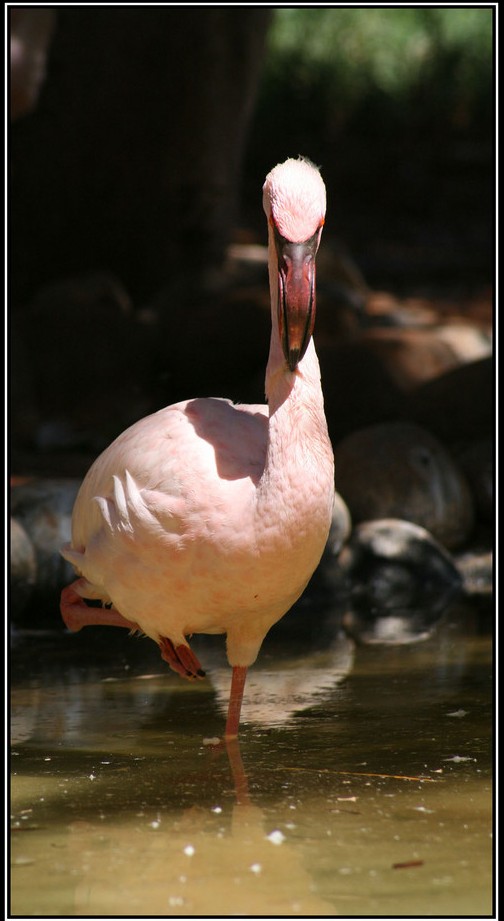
<point>400,470</point>
<point>85,364</point>
<point>341,525</point>
<point>476,571</point>
<point>398,581</point>
<point>476,462</point>
<point>412,356</point>
<point>358,391</point>
<point>458,406</point>
<point>30,36</point>
<point>42,511</point>
<point>23,568</point>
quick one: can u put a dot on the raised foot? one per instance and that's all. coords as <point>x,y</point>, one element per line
<point>77,614</point>
<point>181,659</point>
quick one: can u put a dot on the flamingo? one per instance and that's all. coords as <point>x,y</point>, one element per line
<point>209,516</point>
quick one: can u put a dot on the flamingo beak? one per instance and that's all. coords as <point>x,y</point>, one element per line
<point>296,294</point>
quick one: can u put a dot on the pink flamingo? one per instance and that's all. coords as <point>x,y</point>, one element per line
<point>210,517</point>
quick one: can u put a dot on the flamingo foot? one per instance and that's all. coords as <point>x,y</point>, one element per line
<point>181,659</point>
<point>235,701</point>
<point>77,614</point>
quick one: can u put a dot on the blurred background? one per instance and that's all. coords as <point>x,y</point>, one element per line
<point>139,141</point>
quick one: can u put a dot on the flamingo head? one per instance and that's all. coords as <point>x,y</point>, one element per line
<point>294,201</point>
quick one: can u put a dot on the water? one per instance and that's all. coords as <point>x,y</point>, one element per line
<point>361,784</point>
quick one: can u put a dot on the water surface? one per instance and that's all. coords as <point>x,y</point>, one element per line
<point>361,784</point>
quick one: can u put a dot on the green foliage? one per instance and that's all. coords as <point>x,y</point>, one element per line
<point>418,65</point>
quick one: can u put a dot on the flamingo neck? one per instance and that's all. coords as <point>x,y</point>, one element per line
<point>281,384</point>
<point>297,436</point>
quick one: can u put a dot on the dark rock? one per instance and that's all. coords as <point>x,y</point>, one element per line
<point>84,365</point>
<point>399,470</point>
<point>358,391</point>
<point>476,461</point>
<point>42,511</point>
<point>412,356</point>
<point>458,406</point>
<point>476,571</point>
<point>23,568</point>
<point>397,581</point>
<point>341,525</point>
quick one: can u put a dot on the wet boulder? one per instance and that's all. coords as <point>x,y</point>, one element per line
<point>458,406</point>
<point>82,365</point>
<point>476,461</point>
<point>412,356</point>
<point>400,470</point>
<point>341,525</point>
<point>23,568</point>
<point>42,511</point>
<point>358,391</point>
<point>398,581</point>
<point>476,570</point>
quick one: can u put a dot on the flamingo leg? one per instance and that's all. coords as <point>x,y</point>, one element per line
<point>235,701</point>
<point>77,614</point>
<point>238,771</point>
<point>181,659</point>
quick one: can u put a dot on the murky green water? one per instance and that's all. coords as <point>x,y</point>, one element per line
<point>361,785</point>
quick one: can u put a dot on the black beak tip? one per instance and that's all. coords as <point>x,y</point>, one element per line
<point>293,359</point>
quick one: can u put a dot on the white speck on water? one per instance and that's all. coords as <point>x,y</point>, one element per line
<point>92,776</point>
<point>213,740</point>
<point>189,850</point>
<point>276,837</point>
<point>175,900</point>
<point>47,759</point>
<point>256,868</point>
<point>458,758</point>
<point>155,824</point>
<point>458,713</point>
<point>423,809</point>
<point>217,809</point>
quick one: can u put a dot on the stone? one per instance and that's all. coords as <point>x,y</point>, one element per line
<point>42,510</point>
<point>398,581</point>
<point>23,568</point>
<point>400,470</point>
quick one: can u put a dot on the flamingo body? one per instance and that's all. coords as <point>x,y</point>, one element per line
<point>210,517</point>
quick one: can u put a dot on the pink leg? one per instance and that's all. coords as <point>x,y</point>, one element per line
<point>77,614</point>
<point>181,659</point>
<point>235,701</point>
<point>238,771</point>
